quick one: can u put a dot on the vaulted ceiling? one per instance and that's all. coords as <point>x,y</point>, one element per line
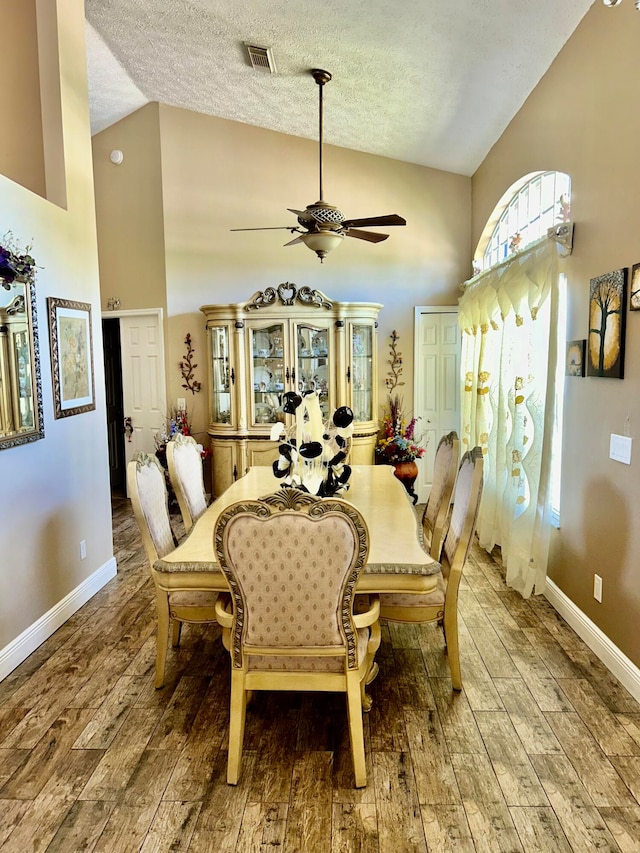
<point>426,82</point>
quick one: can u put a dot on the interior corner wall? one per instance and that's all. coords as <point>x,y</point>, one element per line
<point>129,211</point>
<point>219,174</point>
<point>583,119</point>
<point>56,491</point>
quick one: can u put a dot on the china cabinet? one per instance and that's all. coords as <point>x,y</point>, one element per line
<point>287,338</point>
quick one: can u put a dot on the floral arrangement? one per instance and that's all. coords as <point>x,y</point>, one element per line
<point>176,422</point>
<point>397,440</point>
<point>312,452</point>
<point>14,262</point>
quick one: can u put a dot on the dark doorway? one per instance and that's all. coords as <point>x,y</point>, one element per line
<point>115,407</point>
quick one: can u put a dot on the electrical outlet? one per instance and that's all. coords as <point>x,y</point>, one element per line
<point>597,588</point>
<point>83,549</point>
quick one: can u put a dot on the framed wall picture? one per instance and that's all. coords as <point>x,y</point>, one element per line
<point>71,357</point>
<point>634,295</point>
<point>574,365</point>
<point>607,315</point>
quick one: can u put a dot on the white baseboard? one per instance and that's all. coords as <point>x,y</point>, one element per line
<point>33,636</point>
<point>618,663</point>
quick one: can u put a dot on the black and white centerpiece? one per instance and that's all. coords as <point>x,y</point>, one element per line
<point>313,453</point>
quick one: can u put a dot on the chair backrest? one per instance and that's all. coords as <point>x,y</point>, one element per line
<point>149,499</point>
<point>436,512</point>
<point>466,503</point>
<point>292,562</point>
<point>185,472</point>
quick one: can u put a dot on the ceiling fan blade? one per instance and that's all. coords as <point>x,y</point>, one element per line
<point>268,228</point>
<point>369,236</point>
<point>390,219</point>
<point>294,241</point>
<point>302,214</point>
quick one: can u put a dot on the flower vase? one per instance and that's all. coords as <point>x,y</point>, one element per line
<point>407,473</point>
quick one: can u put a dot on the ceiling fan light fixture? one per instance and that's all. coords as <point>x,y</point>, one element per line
<point>326,226</point>
<point>322,242</point>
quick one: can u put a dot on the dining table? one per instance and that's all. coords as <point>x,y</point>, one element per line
<point>397,560</point>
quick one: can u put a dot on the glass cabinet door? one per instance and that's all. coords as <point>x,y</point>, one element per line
<point>220,384</point>
<point>362,371</point>
<point>267,367</point>
<point>312,363</point>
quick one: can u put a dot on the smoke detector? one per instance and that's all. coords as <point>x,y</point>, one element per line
<point>261,58</point>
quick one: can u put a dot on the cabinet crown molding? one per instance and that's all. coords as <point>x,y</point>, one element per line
<point>288,293</point>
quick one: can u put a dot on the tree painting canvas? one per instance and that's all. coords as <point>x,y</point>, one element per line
<point>634,297</point>
<point>607,313</point>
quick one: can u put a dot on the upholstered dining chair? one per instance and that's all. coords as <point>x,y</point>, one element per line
<point>436,511</point>
<point>185,472</point>
<point>292,562</point>
<point>441,605</point>
<point>178,599</point>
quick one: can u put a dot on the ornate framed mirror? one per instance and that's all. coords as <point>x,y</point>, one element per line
<point>21,418</point>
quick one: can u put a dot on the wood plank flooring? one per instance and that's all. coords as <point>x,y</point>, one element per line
<point>540,752</point>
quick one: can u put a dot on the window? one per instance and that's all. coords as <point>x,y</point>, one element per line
<point>524,213</point>
<point>530,209</point>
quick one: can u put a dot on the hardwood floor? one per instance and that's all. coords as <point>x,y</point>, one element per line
<point>540,752</point>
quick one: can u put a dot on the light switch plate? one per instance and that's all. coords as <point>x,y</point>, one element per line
<point>620,448</point>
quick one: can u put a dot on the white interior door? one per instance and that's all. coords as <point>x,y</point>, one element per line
<point>143,379</point>
<point>436,383</point>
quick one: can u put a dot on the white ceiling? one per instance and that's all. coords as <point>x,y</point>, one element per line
<point>428,82</point>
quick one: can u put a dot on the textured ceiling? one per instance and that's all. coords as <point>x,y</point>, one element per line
<point>428,82</point>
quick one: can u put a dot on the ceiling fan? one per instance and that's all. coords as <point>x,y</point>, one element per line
<point>323,226</point>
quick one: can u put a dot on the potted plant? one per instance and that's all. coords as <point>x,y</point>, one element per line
<point>397,443</point>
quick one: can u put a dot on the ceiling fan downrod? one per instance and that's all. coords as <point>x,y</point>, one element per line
<point>321,77</point>
<point>321,226</point>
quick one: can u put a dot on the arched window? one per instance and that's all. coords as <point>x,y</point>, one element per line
<point>512,315</point>
<point>527,209</point>
<point>524,213</point>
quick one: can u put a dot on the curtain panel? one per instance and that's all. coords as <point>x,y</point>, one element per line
<point>508,316</point>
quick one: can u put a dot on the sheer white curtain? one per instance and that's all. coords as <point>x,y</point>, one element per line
<point>508,404</point>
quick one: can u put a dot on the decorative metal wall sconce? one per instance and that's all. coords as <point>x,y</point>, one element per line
<point>113,304</point>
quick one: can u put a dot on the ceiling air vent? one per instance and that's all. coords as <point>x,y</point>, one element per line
<point>261,58</point>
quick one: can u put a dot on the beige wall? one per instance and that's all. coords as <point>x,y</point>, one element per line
<point>129,213</point>
<point>583,119</point>
<point>209,175</point>
<point>21,152</point>
<point>55,492</point>
<point>218,174</point>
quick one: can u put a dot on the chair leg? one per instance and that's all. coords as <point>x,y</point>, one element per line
<point>356,731</point>
<point>237,714</point>
<point>453,649</point>
<point>162,601</point>
<point>176,632</point>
